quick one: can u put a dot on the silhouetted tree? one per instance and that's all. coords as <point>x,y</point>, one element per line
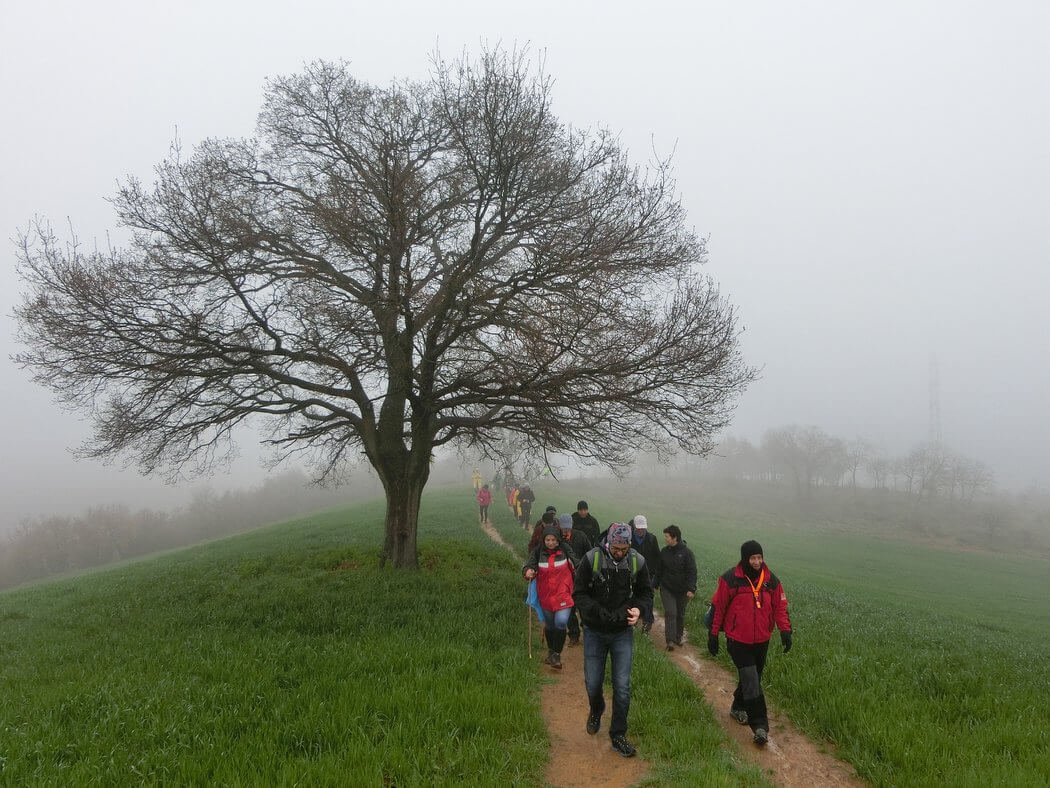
<point>386,270</point>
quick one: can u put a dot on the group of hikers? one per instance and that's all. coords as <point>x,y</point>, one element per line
<point>603,583</point>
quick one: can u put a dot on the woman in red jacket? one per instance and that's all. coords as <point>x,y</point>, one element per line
<point>484,501</point>
<point>552,564</point>
<point>749,600</point>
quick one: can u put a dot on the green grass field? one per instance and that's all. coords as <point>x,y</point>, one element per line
<point>286,655</point>
<point>923,665</point>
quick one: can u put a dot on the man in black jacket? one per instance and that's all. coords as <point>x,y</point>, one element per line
<point>676,580</point>
<point>585,522</point>
<point>612,589</point>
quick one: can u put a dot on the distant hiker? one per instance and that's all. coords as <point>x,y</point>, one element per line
<point>676,580</point>
<point>646,544</point>
<point>580,544</point>
<point>549,517</point>
<point>749,600</point>
<point>612,588</point>
<point>525,499</point>
<point>475,479</point>
<point>484,500</point>
<point>512,500</point>
<point>552,563</point>
<point>584,521</point>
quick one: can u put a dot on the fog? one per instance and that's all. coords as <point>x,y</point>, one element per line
<point>874,182</point>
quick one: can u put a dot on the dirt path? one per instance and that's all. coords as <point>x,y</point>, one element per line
<point>790,759</point>
<point>576,759</point>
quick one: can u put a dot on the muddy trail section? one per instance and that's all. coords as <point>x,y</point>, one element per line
<point>790,759</point>
<point>576,758</point>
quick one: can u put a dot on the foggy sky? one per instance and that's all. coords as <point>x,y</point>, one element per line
<point>874,180</point>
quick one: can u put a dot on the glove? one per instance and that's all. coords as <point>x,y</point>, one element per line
<point>785,640</point>
<point>712,644</point>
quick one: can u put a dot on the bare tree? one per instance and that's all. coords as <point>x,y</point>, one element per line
<point>878,468</point>
<point>383,271</point>
<point>857,454</point>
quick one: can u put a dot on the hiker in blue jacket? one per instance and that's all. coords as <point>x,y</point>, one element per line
<point>612,588</point>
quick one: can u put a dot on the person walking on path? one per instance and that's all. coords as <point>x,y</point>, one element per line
<point>585,522</point>
<point>549,517</point>
<point>612,588</point>
<point>748,602</point>
<point>484,501</point>
<point>526,497</point>
<point>580,544</point>
<point>645,543</point>
<point>475,479</point>
<point>675,577</point>
<point>552,563</point>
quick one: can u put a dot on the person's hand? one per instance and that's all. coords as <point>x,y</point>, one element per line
<point>712,644</point>
<point>785,640</point>
<point>530,573</point>
<point>633,614</point>
<point>689,594</point>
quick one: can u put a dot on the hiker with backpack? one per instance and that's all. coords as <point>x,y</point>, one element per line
<point>552,564</point>
<point>484,501</point>
<point>549,517</point>
<point>612,589</point>
<point>748,602</point>
<point>526,497</point>
<point>645,543</point>
<point>676,581</point>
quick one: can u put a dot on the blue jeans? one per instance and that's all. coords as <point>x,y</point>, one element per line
<point>557,619</point>
<point>596,647</point>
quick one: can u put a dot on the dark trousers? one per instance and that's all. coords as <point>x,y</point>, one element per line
<point>597,647</point>
<point>674,614</point>
<point>484,512</point>
<point>749,659</point>
<point>574,625</point>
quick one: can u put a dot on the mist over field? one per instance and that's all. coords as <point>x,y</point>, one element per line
<point>873,183</point>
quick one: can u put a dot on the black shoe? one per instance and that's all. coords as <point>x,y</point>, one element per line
<point>739,715</point>
<point>622,746</point>
<point>670,646</point>
<point>555,660</point>
<point>594,722</point>
<point>574,640</point>
<point>761,736</point>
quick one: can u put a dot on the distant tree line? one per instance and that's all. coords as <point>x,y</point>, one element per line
<point>49,545</point>
<point>930,490</point>
<point>808,457</point>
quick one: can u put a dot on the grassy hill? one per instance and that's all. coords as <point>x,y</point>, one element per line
<point>287,655</point>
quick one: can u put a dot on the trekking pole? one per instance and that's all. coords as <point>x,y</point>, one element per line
<point>528,617</point>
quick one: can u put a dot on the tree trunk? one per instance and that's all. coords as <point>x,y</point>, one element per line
<point>402,521</point>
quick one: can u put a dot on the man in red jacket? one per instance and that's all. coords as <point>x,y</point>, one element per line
<point>749,600</point>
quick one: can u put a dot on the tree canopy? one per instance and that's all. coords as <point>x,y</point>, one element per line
<point>386,270</point>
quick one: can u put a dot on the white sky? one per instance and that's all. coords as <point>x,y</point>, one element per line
<point>874,179</point>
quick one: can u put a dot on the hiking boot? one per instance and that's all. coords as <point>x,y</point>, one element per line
<point>761,736</point>
<point>574,640</point>
<point>622,746</point>
<point>739,715</point>
<point>594,722</point>
<point>646,627</point>
<point>550,658</point>
<point>555,660</point>
<point>670,646</point>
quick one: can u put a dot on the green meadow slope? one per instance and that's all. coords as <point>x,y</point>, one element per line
<point>923,665</point>
<point>287,655</point>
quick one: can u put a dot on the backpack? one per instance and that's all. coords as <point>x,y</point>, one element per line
<point>597,559</point>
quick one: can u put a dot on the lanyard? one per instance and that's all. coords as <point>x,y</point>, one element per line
<point>757,590</point>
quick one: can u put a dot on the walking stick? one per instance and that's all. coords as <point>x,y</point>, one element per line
<point>528,616</point>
